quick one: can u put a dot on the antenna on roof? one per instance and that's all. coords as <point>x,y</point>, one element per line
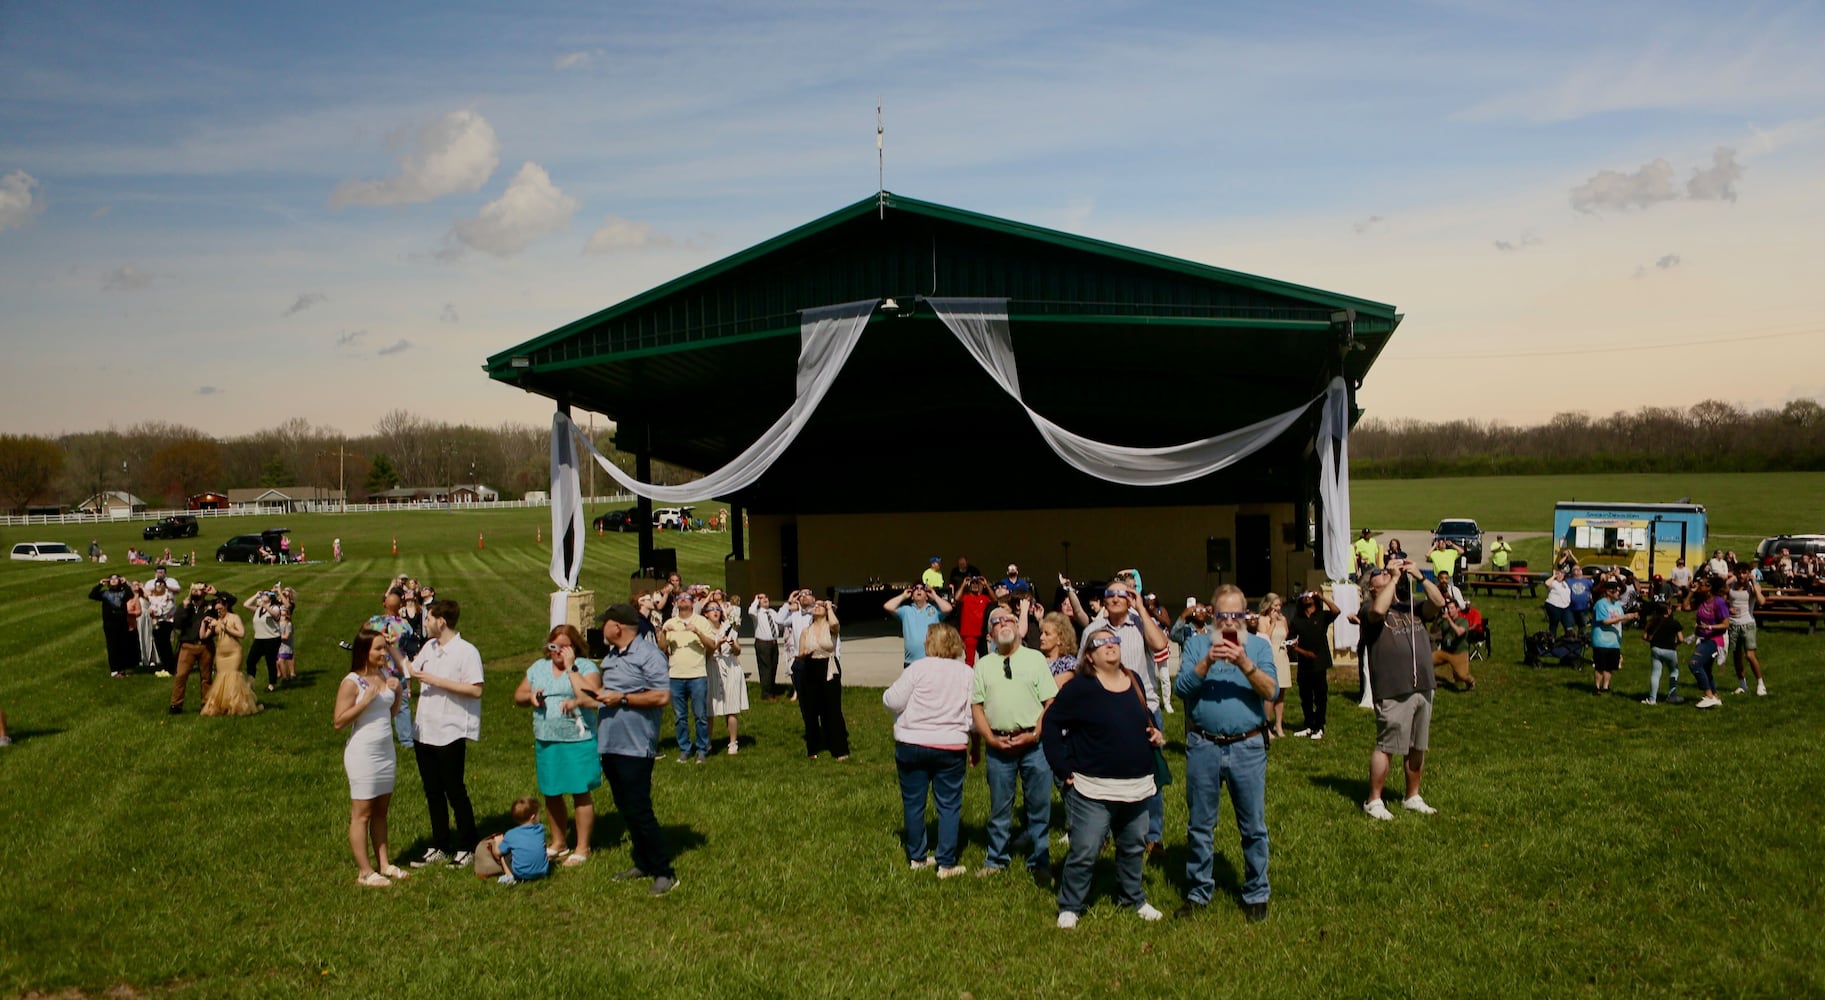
<point>880,158</point>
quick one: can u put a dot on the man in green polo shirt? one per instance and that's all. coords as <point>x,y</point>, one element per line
<point>1367,553</point>
<point>933,578</point>
<point>1012,689</point>
<point>1499,554</point>
<point>1444,556</point>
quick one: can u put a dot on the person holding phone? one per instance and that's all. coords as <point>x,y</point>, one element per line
<point>1227,681</point>
<point>1141,637</point>
<point>1401,678</point>
<point>561,689</point>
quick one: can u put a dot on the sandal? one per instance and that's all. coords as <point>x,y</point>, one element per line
<point>575,860</point>
<point>393,872</point>
<point>554,853</point>
<point>373,880</point>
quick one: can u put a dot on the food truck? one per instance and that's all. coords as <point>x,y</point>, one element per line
<point>1646,538</point>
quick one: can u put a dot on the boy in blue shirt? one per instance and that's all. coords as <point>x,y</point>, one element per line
<point>519,854</point>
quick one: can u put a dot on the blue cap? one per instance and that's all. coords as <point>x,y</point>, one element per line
<point>937,558</point>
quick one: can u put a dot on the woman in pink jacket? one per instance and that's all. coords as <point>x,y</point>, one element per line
<point>931,706</point>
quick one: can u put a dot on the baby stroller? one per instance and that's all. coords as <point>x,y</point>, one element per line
<point>1538,647</point>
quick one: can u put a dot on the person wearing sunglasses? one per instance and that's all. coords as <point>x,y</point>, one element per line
<point>1013,688</point>
<point>560,690</point>
<point>925,609</point>
<point>1227,679</point>
<point>1141,638</point>
<point>1099,738</point>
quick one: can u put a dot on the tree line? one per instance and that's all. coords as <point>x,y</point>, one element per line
<point>1707,436</point>
<point>166,463</point>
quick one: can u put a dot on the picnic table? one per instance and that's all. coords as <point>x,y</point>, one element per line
<point>1792,606</point>
<point>1507,580</point>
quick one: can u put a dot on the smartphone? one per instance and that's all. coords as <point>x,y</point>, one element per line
<point>1232,637</point>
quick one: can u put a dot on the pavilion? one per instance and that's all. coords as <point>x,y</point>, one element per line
<point>917,451</point>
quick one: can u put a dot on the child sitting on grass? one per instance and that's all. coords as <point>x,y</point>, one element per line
<point>519,854</point>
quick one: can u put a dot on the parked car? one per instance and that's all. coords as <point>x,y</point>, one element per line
<point>1464,532</point>
<point>179,526</point>
<point>45,552</point>
<point>618,520</point>
<point>1769,551</point>
<point>671,518</point>
<point>246,548</point>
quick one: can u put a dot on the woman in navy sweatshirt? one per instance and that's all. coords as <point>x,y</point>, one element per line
<point>1099,738</point>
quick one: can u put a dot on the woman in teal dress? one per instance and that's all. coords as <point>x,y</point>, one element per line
<point>559,688</point>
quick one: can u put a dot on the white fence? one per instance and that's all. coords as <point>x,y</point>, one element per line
<point>294,507</point>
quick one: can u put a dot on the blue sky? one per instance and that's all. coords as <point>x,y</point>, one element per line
<point>229,215</point>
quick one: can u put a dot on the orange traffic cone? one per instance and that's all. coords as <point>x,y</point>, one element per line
<point>538,535</point>
<point>395,544</point>
<point>481,542</point>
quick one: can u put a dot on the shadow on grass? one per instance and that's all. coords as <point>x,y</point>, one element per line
<point>20,734</point>
<point>611,831</point>
<point>1354,789</point>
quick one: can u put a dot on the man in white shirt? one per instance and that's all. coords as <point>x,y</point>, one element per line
<point>449,674</point>
<point>158,576</point>
<point>766,645</point>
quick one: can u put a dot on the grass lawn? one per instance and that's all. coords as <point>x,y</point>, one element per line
<point>1740,503</point>
<point>1584,846</point>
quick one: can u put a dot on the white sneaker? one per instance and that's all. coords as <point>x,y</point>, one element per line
<point>951,872</point>
<point>923,863</point>
<point>1303,732</point>
<point>1317,735</point>
<point>1146,912</point>
<point>1414,803</point>
<point>1377,810</point>
<point>432,857</point>
<point>1649,701</point>
<point>1710,701</point>
<point>1067,920</point>
<point>989,871</point>
<point>1740,690</point>
<point>1761,689</point>
<point>462,859</point>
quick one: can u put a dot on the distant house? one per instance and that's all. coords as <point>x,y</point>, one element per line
<point>208,501</point>
<point>289,499</point>
<point>113,503</point>
<point>403,495</point>
<point>472,493</point>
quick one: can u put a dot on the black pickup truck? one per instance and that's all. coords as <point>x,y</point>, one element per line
<point>180,526</point>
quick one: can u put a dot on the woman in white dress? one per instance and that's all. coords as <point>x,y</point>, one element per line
<point>728,688</point>
<point>1270,624</point>
<point>367,699</point>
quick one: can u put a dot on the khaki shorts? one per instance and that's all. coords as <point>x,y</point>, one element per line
<point>1403,724</point>
<point>1743,636</point>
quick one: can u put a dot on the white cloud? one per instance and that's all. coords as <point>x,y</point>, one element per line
<point>17,202</point>
<point>455,154</point>
<point>449,314</point>
<point>1667,262</point>
<point>207,390</point>
<point>576,60</point>
<point>1611,189</point>
<point>1718,181</point>
<point>395,347</point>
<point>531,207</point>
<point>616,233</point>
<point>125,278</point>
<point>305,301</point>
<point>350,338</point>
<point>1527,239</point>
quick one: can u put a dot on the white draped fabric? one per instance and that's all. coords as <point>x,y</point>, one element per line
<point>566,510</point>
<point>827,335</point>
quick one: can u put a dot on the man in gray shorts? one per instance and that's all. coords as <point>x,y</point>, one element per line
<point>1744,595</point>
<point>1400,675</point>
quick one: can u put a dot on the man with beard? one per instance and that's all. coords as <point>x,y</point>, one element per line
<point>116,630</point>
<point>1012,689</point>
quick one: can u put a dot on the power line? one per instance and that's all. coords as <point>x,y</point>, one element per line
<point>1580,351</point>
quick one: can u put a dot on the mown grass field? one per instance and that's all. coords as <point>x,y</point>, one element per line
<point>1584,846</point>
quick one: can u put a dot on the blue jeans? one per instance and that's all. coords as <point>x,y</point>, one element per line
<point>685,692</point>
<point>1027,766</point>
<point>942,772</point>
<point>1668,658</point>
<point>1704,658</point>
<point>1243,767</point>
<point>1091,820</point>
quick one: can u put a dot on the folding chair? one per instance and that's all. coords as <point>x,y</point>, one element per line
<point>1477,634</point>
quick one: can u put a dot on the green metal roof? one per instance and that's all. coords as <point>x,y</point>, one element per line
<point>1372,315</point>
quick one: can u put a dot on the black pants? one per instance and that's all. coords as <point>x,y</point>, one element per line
<point>123,645</point>
<point>161,641</point>
<point>440,770</point>
<point>820,704</point>
<point>269,649</point>
<point>630,781</point>
<point>1314,694</point>
<point>766,663</point>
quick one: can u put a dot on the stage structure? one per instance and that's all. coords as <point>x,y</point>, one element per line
<point>900,379</point>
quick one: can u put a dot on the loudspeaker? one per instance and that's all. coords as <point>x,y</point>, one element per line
<point>1216,555</point>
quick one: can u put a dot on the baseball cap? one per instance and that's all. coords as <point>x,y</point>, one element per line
<point>937,559</point>
<point>623,614</point>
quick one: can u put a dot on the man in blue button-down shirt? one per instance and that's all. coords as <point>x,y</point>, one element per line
<point>1231,673</point>
<point>636,687</point>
